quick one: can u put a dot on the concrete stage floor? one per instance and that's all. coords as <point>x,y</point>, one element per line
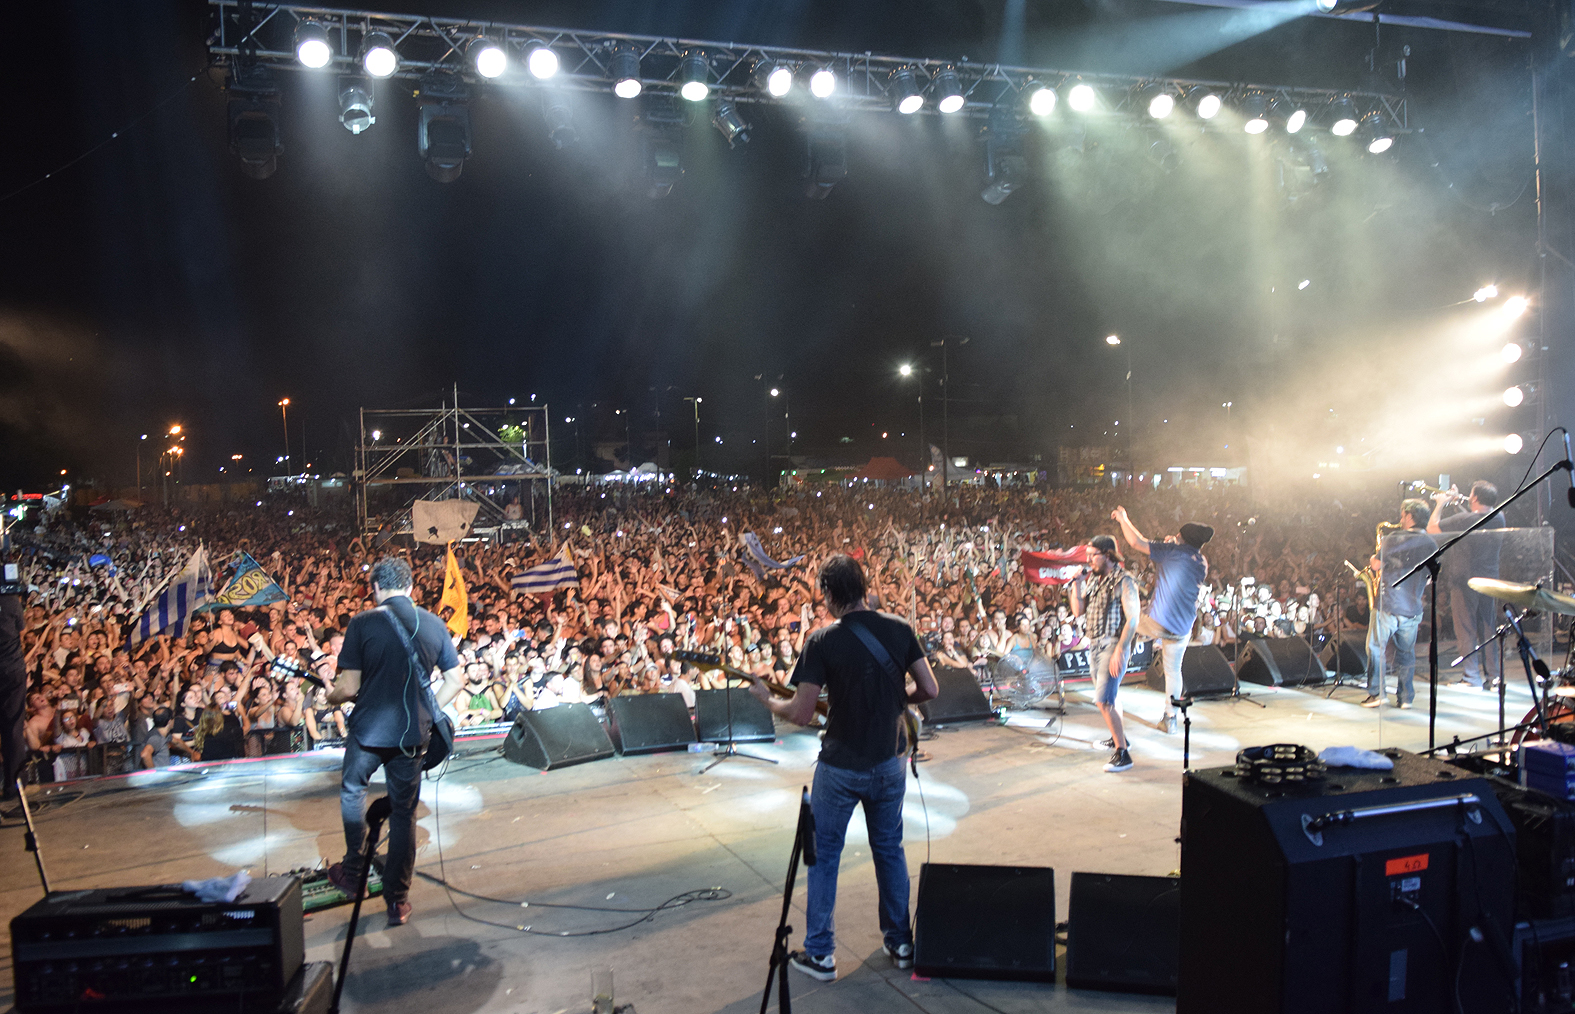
<point>631,833</point>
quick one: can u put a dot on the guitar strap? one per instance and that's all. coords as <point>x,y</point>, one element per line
<point>889,665</point>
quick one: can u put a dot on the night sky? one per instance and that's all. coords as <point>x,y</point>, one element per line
<point>152,282</point>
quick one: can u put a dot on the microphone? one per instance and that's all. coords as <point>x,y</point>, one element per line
<point>1569,468</point>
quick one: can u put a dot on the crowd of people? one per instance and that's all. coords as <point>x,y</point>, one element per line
<point>659,570</point>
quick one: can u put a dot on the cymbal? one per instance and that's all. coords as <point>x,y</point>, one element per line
<point>1526,596</point>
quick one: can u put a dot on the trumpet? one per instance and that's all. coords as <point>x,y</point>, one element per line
<point>1455,496</point>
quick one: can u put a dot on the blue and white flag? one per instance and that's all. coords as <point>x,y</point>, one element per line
<point>249,586</point>
<point>169,611</point>
<point>545,578</point>
<point>756,559</point>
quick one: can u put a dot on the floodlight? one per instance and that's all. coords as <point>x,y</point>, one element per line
<point>355,104</point>
<point>625,68</point>
<point>1207,103</point>
<point>1378,136</point>
<point>949,88</point>
<point>1041,100</point>
<point>727,120</point>
<point>378,55</point>
<point>822,83</point>
<point>1338,7</point>
<point>693,70</point>
<point>311,45</point>
<point>1342,117</point>
<point>1160,102</point>
<point>1081,98</point>
<point>1485,293</point>
<point>542,62</point>
<point>780,81</point>
<point>1511,352</point>
<point>906,92</point>
<point>1513,396</point>
<point>1255,108</point>
<point>488,57</point>
<point>1514,306</point>
<point>1513,443</point>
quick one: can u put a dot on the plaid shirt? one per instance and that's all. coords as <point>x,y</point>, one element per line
<point>1103,615</point>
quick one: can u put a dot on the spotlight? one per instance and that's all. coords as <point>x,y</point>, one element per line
<point>1514,306</point>
<point>1338,7</point>
<point>822,83</point>
<point>949,88</point>
<point>443,125</point>
<point>1296,121</point>
<point>906,92</point>
<point>542,62</point>
<point>1511,352</point>
<point>377,54</point>
<point>560,119</point>
<point>693,71</point>
<point>1206,102</point>
<point>355,104</point>
<point>1513,396</point>
<point>826,162</point>
<point>780,81</point>
<point>1255,108</point>
<point>311,45</point>
<point>1081,98</point>
<point>1377,136</point>
<point>1513,443</point>
<point>730,123</point>
<point>488,57</point>
<point>625,68</point>
<point>1342,117</point>
<point>1288,115</point>
<point>253,112</point>
<point>1485,293</point>
<point>1159,101</point>
<point>1041,100</point>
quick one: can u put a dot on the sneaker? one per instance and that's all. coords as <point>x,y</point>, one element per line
<point>1108,744</point>
<point>901,955</point>
<point>1373,701</point>
<point>1167,723</point>
<point>1120,760</point>
<point>343,881</point>
<point>398,913</point>
<point>824,969</point>
<point>1404,705</point>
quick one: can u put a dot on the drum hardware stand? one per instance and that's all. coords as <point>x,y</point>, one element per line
<point>1183,703</point>
<point>1498,636</point>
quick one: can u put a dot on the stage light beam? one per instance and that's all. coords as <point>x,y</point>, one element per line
<point>1255,108</point>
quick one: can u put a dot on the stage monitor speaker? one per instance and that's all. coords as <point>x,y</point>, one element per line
<point>1363,891</point>
<point>985,922</point>
<point>1204,670</point>
<point>751,718</point>
<point>557,737</point>
<point>1279,662</point>
<point>960,699</point>
<point>1123,933</point>
<point>650,723</point>
<point>1352,656</point>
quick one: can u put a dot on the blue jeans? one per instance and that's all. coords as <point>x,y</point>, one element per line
<point>402,776</point>
<point>1099,655</point>
<point>835,793</point>
<point>1382,629</point>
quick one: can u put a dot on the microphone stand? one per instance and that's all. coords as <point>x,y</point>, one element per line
<point>803,845</point>
<point>30,839</point>
<point>376,814</point>
<point>1498,637</point>
<point>1432,564</point>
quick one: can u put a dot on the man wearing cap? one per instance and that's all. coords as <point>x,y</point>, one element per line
<point>1180,569</point>
<point>1108,598</point>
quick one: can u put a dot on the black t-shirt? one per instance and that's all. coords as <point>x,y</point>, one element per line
<point>866,701</point>
<point>226,744</point>
<point>390,708</point>
<point>1478,556</point>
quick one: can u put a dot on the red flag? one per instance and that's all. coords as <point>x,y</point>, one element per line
<point>1058,566</point>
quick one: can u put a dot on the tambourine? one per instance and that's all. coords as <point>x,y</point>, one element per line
<point>1279,764</point>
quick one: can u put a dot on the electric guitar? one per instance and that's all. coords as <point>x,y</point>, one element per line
<point>709,661</point>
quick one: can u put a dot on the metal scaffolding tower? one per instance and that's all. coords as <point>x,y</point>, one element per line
<point>482,454</point>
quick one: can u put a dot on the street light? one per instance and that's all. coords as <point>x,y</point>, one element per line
<point>907,370</point>
<point>284,417</point>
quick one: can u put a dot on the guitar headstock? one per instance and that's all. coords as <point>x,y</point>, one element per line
<point>700,659</point>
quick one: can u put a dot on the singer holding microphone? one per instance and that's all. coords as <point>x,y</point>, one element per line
<point>1472,612</point>
<point>1108,598</point>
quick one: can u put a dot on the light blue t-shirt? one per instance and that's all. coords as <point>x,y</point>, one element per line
<point>1179,572</point>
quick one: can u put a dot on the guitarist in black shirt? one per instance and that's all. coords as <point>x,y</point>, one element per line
<point>860,662</point>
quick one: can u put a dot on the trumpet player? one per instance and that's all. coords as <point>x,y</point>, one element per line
<point>1472,612</point>
<point>1397,609</point>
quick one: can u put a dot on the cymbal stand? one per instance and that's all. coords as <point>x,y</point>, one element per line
<point>1499,637</point>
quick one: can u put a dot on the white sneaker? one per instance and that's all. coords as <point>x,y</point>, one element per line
<point>901,955</point>
<point>824,969</point>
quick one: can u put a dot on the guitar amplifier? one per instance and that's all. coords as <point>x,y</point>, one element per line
<point>141,950</point>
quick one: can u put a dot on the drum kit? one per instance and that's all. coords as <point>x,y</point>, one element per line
<point>1553,714</point>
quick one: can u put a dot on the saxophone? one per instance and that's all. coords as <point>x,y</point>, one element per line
<point>1367,575</point>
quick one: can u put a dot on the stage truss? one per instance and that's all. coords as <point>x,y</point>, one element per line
<point>263,34</point>
<point>454,452</point>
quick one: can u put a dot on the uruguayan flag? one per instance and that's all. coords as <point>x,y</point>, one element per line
<point>169,611</point>
<point>547,577</point>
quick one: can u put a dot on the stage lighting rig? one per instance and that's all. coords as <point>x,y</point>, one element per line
<point>443,125</point>
<point>694,71</point>
<point>823,83</point>
<point>487,56</point>
<point>825,158</point>
<point>1338,7</point>
<point>949,87</point>
<point>541,61</point>
<point>1375,135</point>
<point>355,104</point>
<point>775,78</point>
<point>559,115</point>
<point>1254,111</point>
<point>1342,116</point>
<point>1041,99</point>
<point>726,119</point>
<point>1288,115</point>
<point>1157,100</point>
<point>662,157</point>
<point>1206,102</point>
<point>1082,98</point>
<point>906,94</point>
<point>378,56</point>
<point>311,45</point>
<point>625,70</point>
<point>253,113</point>
<point>1005,167</point>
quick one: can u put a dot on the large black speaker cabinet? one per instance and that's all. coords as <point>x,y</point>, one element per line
<point>1123,933</point>
<point>751,718</point>
<point>1204,670</point>
<point>1346,656</point>
<point>649,723</point>
<point>1279,662</point>
<point>557,737</point>
<point>1369,891</point>
<point>960,699</point>
<point>985,922</point>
